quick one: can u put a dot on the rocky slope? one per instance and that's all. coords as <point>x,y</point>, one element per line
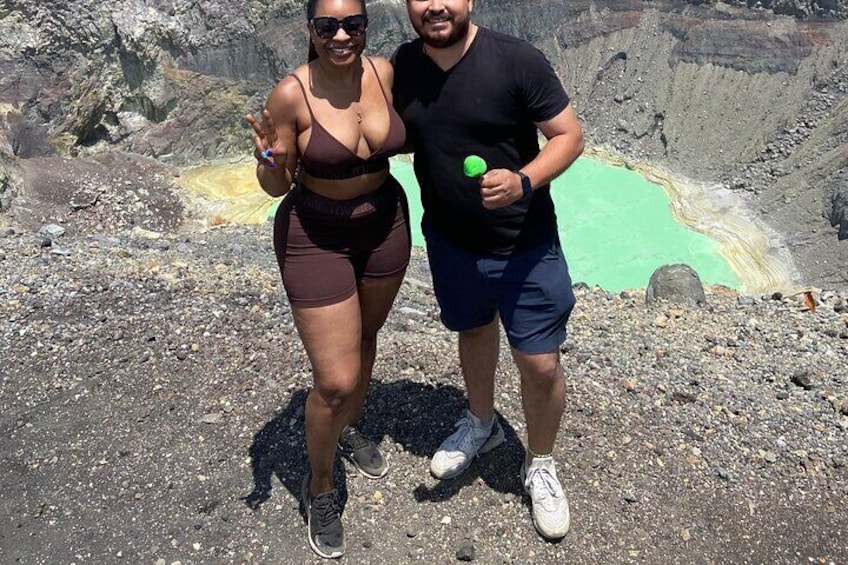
<point>152,390</point>
<point>152,397</point>
<point>743,100</point>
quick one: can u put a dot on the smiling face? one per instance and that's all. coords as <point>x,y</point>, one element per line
<point>440,23</point>
<point>343,47</point>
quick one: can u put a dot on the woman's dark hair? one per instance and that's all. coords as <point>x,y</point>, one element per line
<point>310,13</point>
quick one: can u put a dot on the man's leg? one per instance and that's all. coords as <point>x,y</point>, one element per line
<point>469,308</point>
<point>478,431</point>
<point>542,397</point>
<point>535,319</point>
<point>478,357</point>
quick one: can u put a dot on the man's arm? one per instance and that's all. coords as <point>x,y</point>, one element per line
<point>564,146</point>
<point>388,77</point>
<point>501,188</point>
<point>407,144</point>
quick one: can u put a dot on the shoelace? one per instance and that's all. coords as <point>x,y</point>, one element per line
<point>326,509</point>
<point>543,484</point>
<point>464,428</point>
<point>466,435</point>
<point>354,439</point>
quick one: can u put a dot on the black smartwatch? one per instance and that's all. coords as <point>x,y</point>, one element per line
<point>526,185</point>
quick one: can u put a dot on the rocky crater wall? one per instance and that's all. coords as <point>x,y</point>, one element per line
<point>745,99</point>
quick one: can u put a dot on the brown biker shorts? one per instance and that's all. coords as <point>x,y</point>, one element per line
<point>325,246</point>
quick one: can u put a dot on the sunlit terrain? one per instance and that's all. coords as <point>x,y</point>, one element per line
<point>617,225</point>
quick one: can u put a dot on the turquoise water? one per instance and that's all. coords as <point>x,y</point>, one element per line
<point>616,227</point>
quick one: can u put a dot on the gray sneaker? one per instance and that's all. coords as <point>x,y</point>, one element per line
<point>470,439</point>
<point>324,522</point>
<point>363,453</point>
<point>550,506</point>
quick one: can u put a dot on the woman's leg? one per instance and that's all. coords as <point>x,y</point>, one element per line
<point>332,336</point>
<point>377,290</point>
<point>376,296</point>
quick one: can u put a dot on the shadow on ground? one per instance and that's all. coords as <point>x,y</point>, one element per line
<point>415,416</point>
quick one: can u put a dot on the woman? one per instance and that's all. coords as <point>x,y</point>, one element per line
<point>341,236</point>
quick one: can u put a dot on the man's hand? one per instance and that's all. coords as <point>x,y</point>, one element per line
<point>269,151</point>
<point>499,188</point>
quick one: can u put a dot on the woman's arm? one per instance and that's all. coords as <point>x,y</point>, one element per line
<point>275,138</point>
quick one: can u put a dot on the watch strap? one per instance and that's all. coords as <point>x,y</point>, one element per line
<point>526,185</point>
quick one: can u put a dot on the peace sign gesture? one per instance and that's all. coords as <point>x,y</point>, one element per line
<point>269,150</point>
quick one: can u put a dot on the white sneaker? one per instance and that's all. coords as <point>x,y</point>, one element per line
<point>550,506</point>
<point>470,439</point>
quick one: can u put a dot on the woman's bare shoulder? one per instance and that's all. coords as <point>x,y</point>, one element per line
<point>287,98</point>
<point>384,68</point>
<point>381,64</point>
<point>288,91</point>
<point>288,87</point>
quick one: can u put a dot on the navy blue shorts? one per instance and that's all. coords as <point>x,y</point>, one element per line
<point>530,290</point>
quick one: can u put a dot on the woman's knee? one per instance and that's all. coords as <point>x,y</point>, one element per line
<point>337,393</point>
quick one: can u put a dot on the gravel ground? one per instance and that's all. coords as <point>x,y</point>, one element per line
<point>152,393</point>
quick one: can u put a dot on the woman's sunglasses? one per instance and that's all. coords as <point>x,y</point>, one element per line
<point>326,27</point>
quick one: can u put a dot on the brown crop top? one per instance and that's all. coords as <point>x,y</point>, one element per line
<point>325,157</point>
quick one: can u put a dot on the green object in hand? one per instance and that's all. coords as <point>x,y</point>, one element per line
<point>474,166</point>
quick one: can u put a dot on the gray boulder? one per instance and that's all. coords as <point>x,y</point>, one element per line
<point>838,213</point>
<point>676,283</point>
<point>10,179</point>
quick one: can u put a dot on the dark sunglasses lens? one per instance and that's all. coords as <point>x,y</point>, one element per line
<point>325,28</point>
<point>355,25</point>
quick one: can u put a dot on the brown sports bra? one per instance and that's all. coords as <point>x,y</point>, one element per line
<point>325,157</point>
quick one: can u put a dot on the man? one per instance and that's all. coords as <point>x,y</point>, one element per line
<point>492,242</point>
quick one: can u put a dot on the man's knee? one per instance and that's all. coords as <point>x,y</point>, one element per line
<point>540,370</point>
<point>487,331</point>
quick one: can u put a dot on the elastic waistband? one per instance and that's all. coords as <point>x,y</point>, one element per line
<point>309,202</point>
<point>346,172</point>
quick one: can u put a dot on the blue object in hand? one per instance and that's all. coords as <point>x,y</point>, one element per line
<point>266,156</point>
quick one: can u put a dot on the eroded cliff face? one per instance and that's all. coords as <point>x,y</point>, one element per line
<point>752,98</point>
<point>133,73</point>
<point>747,100</point>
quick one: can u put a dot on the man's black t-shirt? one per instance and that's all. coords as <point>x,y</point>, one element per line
<point>484,105</point>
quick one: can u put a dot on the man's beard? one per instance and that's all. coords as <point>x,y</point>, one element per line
<point>458,33</point>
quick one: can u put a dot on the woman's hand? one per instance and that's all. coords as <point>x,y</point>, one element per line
<point>272,169</point>
<point>269,150</point>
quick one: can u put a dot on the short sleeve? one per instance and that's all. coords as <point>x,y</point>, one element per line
<point>400,60</point>
<point>542,91</point>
